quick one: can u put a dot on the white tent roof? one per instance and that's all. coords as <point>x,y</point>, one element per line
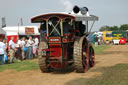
<point>2,31</point>
<point>14,30</point>
<point>11,33</point>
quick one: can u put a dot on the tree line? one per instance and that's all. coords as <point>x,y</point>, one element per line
<point>123,27</point>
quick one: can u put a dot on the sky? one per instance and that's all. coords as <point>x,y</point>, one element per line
<point>110,12</point>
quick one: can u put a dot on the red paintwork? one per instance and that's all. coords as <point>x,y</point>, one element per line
<point>74,31</point>
<point>123,41</point>
<point>48,50</point>
<point>65,40</point>
<point>56,54</point>
<point>70,37</point>
<point>56,50</point>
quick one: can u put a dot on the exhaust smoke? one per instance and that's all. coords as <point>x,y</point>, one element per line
<point>67,4</point>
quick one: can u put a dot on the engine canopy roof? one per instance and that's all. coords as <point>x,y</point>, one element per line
<point>75,17</point>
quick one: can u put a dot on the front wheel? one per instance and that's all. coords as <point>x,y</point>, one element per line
<point>43,60</point>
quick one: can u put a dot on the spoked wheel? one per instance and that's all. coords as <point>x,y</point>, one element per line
<point>43,61</point>
<point>81,56</point>
<point>91,57</point>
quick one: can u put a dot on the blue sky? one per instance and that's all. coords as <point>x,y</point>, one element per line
<point>110,12</point>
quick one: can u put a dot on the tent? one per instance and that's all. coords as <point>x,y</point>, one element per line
<point>21,31</point>
<point>2,33</point>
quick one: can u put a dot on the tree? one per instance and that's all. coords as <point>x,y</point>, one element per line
<point>109,28</point>
<point>124,27</point>
<point>113,28</point>
<point>104,28</point>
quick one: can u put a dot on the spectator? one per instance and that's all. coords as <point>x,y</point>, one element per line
<point>34,49</point>
<point>26,50</point>
<point>2,51</point>
<point>30,43</point>
<point>23,47</point>
<point>35,46</point>
<point>96,41</point>
<point>99,40</point>
<point>12,49</point>
<point>18,50</point>
<point>36,43</point>
<point>5,52</point>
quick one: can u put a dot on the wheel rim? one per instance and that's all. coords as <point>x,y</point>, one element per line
<point>92,58</point>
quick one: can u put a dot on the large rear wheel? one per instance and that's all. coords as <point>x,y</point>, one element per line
<point>81,55</point>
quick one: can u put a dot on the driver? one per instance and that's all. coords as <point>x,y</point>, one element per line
<point>66,26</point>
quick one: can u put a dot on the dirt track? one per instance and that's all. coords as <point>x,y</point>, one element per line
<point>110,57</point>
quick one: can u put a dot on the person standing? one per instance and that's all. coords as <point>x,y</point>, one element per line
<point>18,50</point>
<point>5,51</point>
<point>34,49</point>
<point>26,51</point>
<point>12,49</point>
<point>36,40</point>
<point>30,43</point>
<point>23,47</point>
<point>96,41</point>
<point>2,50</point>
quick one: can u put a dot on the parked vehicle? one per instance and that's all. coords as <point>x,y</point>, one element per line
<point>123,41</point>
<point>116,37</point>
<point>107,37</point>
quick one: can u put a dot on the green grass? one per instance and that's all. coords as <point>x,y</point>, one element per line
<point>115,75</point>
<point>101,48</point>
<point>20,66</point>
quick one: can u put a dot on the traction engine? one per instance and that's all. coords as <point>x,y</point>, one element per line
<point>64,40</point>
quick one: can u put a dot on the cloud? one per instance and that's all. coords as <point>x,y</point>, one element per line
<point>67,4</point>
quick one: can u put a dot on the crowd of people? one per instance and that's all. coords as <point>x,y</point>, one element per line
<point>23,49</point>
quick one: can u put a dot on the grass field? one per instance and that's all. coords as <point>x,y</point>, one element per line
<point>101,48</point>
<point>115,75</point>
<point>33,64</point>
<point>20,66</point>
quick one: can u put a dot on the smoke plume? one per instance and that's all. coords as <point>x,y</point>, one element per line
<point>67,4</point>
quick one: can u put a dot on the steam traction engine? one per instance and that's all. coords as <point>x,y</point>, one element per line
<point>63,40</point>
